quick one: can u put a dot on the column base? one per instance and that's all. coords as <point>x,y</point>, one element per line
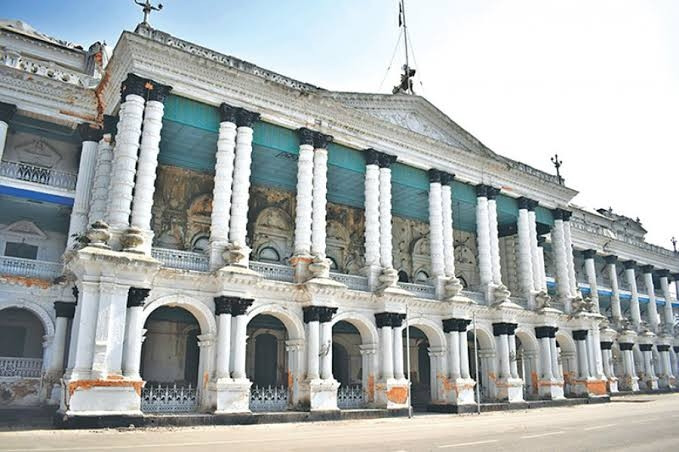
<point>650,383</point>
<point>323,395</point>
<point>612,385</point>
<point>216,254</point>
<point>459,391</point>
<point>300,263</point>
<point>101,398</point>
<point>629,383</point>
<point>509,389</point>
<point>551,389</point>
<point>231,396</point>
<point>372,272</point>
<point>237,255</point>
<point>590,387</point>
<point>392,394</point>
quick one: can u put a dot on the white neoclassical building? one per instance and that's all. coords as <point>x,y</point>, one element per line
<point>183,231</point>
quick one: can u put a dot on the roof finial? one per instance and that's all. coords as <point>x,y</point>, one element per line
<point>147,8</point>
<point>674,243</point>
<point>406,85</point>
<point>557,164</point>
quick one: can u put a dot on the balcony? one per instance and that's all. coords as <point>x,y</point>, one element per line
<point>30,268</point>
<point>420,290</point>
<point>354,282</point>
<point>20,367</point>
<point>38,175</point>
<point>276,272</point>
<point>183,260</point>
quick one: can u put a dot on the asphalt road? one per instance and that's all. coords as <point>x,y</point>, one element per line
<point>635,423</point>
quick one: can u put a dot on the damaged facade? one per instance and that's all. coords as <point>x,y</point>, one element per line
<point>183,231</point>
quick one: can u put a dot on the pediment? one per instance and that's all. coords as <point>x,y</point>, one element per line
<point>25,228</point>
<point>37,151</point>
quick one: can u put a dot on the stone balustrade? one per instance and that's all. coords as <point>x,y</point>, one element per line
<point>38,175</point>
<point>30,268</point>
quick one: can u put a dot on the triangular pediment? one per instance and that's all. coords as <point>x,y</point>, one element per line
<point>25,228</point>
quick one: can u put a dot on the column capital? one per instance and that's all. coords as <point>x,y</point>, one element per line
<point>133,84</point>
<point>611,259</point>
<point>318,313</point>
<point>646,269</point>
<point>326,313</point>
<point>458,325</point>
<point>386,160</point>
<point>629,264</point>
<point>501,328</point>
<point>306,136</point>
<point>624,346</point>
<point>481,191</point>
<point>492,192</point>
<point>447,178</point>
<point>227,113</point>
<point>589,254</point>
<point>136,296</point>
<point>223,304</point>
<point>606,345</point>
<point>662,273</point>
<point>663,347</point>
<point>434,176</point>
<point>64,309</point>
<point>322,140</point>
<point>89,132</point>
<point>383,319</point>
<point>645,347</point>
<point>7,111</point>
<point>240,305</point>
<point>110,124</point>
<point>157,91</point>
<point>543,331</point>
<point>561,214</point>
<point>526,203</point>
<point>580,335</point>
<point>372,157</point>
<point>246,118</point>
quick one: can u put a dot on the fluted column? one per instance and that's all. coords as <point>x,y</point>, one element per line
<point>630,380</point>
<point>483,236</point>
<point>454,284</point>
<point>492,193</point>
<point>652,310</point>
<point>396,325</point>
<point>384,321</point>
<point>134,332</point>
<point>580,337</point>
<point>539,282</point>
<point>372,217</point>
<point>436,224</point>
<point>148,161</point>
<point>239,323</point>
<point>319,203</point>
<point>83,189</point>
<point>668,315</point>
<point>541,261</point>
<point>64,312</point>
<point>635,311</point>
<point>221,194</point>
<point>615,290</point>
<point>223,312</point>
<point>101,181</point>
<point>389,275</point>
<point>125,152</point>
<point>568,245</point>
<point>325,317</point>
<point>525,252</point>
<point>240,193</point>
<point>560,259</point>
<point>7,111</point>
<point>590,270</point>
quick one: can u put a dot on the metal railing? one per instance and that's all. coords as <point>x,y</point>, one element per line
<point>276,272</point>
<point>268,398</point>
<point>354,282</point>
<point>420,290</point>
<point>169,399</point>
<point>350,397</point>
<point>38,175</point>
<point>185,260</point>
<point>20,367</point>
<point>18,266</point>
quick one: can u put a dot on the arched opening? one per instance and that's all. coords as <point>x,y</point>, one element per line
<point>403,276</point>
<point>201,244</point>
<point>527,363</point>
<point>565,347</point>
<point>480,350</point>
<point>170,360</point>
<point>420,367</point>
<point>347,365</point>
<point>268,254</point>
<point>266,363</point>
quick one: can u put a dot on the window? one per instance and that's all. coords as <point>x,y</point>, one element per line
<point>269,254</point>
<point>12,340</point>
<point>403,276</point>
<point>200,244</point>
<point>421,277</point>
<point>15,249</point>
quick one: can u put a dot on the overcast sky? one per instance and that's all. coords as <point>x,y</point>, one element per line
<point>596,81</point>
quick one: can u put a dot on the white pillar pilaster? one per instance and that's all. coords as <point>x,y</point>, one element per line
<point>134,332</point>
<point>668,315</point>
<point>398,350</point>
<point>7,111</point>
<point>525,252</point>
<point>554,355</point>
<point>386,257</point>
<point>372,218</point>
<point>326,344</point>
<point>83,187</point>
<point>464,355</point>
<point>561,260</point>
<point>545,358</point>
<point>590,270</point>
<point>64,312</point>
<point>319,194</point>
<point>538,268</point>
<point>616,310</point>
<point>652,310</point>
<point>384,321</point>
<point>436,225</point>
<point>83,333</point>
<point>453,285</point>
<point>483,237</point>
<point>635,311</point>
<point>513,357</point>
<point>224,322</point>
<point>240,323</point>
<point>568,244</point>
<point>494,238</point>
<point>102,174</point>
<point>580,337</point>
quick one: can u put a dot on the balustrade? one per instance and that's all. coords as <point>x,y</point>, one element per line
<point>354,282</point>
<point>185,260</point>
<point>18,266</point>
<point>38,175</point>
<point>268,398</point>
<point>20,367</point>
<point>420,290</point>
<point>350,397</point>
<point>169,399</point>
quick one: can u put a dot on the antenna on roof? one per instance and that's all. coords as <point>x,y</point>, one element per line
<point>147,8</point>
<point>406,85</point>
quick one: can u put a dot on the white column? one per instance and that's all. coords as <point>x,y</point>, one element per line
<point>554,355</point>
<point>83,334</point>
<point>668,315</point>
<point>538,270</point>
<point>386,337</point>
<point>511,339</point>
<point>590,270</point>
<point>503,356</point>
<point>326,342</point>
<point>628,361</point>
<point>398,352</point>
<point>447,212</point>
<point>386,257</point>
<point>372,209</point>
<point>541,261</point>
<point>134,332</point>
<point>436,224</point>
<point>64,311</point>
<point>597,358</point>
<point>652,309</point>
<point>580,337</point>
<point>454,353</point>
<point>240,193</point>
<point>568,245</point>
<point>224,321</point>
<point>546,358</point>
<point>483,236</point>
<point>102,175</point>
<point>6,113</point>
<point>320,190</point>
<point>561,260</point>
<point>221,194</point>
<point>83,187</point>
<point>125,152</point>
<point>148,161</point>
<point>635,311</point>
<point>464,354</point>
<point>240,323</point>
<point>311,317</point>
<point>494,239</point>
<point>606,355</point>
<point>304,199</point>
<point>616,310</point>
<point>525,252</point>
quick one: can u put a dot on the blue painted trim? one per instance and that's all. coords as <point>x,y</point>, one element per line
<point>36,196</point>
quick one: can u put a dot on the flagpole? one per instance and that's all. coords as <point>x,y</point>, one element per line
<point>476,367</point>
<point>410,405</point>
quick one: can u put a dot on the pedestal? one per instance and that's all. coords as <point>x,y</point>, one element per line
<point>391,394</point>
<point>323,394</point>
<point>629,383</point>
<point>509,389</point>
<point>590,387</point>
<point>613,385</point>
<point>101,398</point>
<point>459,391</point>
<point>231,396</point>
<point>551,389</point>
<point>650,383</point>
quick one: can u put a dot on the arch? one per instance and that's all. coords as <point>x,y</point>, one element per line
<point>484,337</point>
<point>202,313</point>
<point>527,338</point>
<point>361,322</point>
<point>431,329</point>
<point>293,323</point>
<point>39,311</point>
<point>565,341</point>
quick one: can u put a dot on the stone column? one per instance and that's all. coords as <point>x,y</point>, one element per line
<point>500,333</point>
<point>511,339</point>
<point>64,311</point>
<point>652,310</point>
<point>525,253</point>
<point>384,321</point>
<point>568,244</point>
<point>7,111</point>
<point>304,204</point>
<point>134,332</point>
<point>542,335</point>
<point>483,237</point>
<point>554,354</point>
<point>590,270</point>
<point>221,194</point>
<point>125,152</point>
<point>321,265</point>
<point>83,332</point>
<point>607,356</point>
<point>630,379</point>
<point>675,277</point>
<point>635,312</point>
<point>668,315</point>
<point>453,285</point>
<point>615,290</point>
<point>596,368</point>
<point>109,338</point>
<point>81,203</point>
<point>538,269</point>
<point>312,320</point>
<point>580,337</point>
<point>650,377</point>
<point>563,285</point>
<point>240,194</point>
<point>666,378</point>
<point>436,226</point>
<point>224,320</point>
<point>148,161</point>
<point>541,260</point>
<point>464,351</point>
<point>507,387</point>
<point>396,325</point>
<point>372,217</point>
<point>492,193</point>
<point>239,326</point>
<point>450,327</point>
<point>389,275</point>
<point>102,173</point>
<point>325,317</point>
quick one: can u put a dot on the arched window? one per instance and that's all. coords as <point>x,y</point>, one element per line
<point>421,277</point>
<point>269,254</point>
<point>200,244</point>
<point>462,281</point>
<point>333,264</point>
<point>402,276</point>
